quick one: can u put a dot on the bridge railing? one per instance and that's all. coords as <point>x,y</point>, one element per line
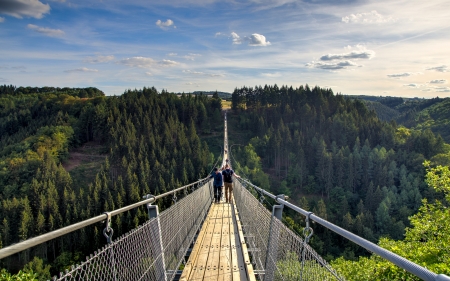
<point>288,257</point>
<point>153,251</point>
<point>277,252</point>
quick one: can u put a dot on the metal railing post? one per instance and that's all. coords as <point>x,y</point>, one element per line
<point>159,249</point>
<point>272,245</point>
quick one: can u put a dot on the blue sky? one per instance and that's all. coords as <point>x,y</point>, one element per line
<point>387,48</point>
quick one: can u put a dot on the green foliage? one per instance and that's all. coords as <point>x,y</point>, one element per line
<point>292,268</point>
<point>41,270</point>
<point>21,276</point>
<point>426,241</point>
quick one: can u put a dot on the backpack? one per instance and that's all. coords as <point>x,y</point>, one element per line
<point>227,175</point>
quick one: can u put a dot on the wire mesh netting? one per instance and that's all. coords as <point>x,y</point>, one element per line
<point>277,252</point>
<point>137,255</point>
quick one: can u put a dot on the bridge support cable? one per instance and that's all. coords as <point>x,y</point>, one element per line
<point>288,259</point>
<point>401,262</point>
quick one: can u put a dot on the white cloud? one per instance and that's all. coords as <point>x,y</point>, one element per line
<point>46,31</point>
<point>442,68</point>
<point>332,66</point>
<point>172,54</point>
<point>352,55</point>
<point>167,62</point>
<point>440,81</point>
<point>401,75</point>
<point>138,62</point>
<point>144,62</point>
<point>236,38</point>
<point>367,18</point>
<point>2,19</point>
<point>203,73</point>
<point>257,40</point>
<point>24,8</point>
<point>3,79</point>
<point>253,40</point>
<point>165,24</point>
<point>148,73</point>
<point>99,59</point>
<point>83,69</point>
<point>218,34</point>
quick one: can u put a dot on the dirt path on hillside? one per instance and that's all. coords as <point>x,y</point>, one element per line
<point>89,152</point>
<point>77,158</point>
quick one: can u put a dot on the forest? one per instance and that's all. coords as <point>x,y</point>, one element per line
<point>331,154</point>
<point>151,143</point>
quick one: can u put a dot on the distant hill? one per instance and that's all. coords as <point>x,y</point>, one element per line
<point>222,95</point>
<point>414,113</point>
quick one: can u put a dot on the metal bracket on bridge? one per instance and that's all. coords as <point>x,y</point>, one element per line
<point>108,228</point>
<point>307,228</point>
<point>152,212</point>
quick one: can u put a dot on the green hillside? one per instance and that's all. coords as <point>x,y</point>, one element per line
<point>420,114</point>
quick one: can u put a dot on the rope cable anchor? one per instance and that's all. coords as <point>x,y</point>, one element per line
<point>108,228</point>
<point>308,231</point>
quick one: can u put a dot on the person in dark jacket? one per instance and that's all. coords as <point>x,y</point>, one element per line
<point>228,174</point>
<point>218,183</point>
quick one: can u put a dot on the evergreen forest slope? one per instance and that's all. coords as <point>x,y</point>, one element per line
<point>151,143</point>
<point>334,156</point>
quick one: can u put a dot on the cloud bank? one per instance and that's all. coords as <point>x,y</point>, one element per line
<point>332,66</point>
<point>367,18</point>
<point>2,19</point>
<point>352,55</point>
<point>24,8</point>
<point>442,68</point>
<point>344,60</point>
<point>46,31</point>
<point>440,81</point>
<point>402,75</point>
<point>144,62</point>
<point>83,69</point>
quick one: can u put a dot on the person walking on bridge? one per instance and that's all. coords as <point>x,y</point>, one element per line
<point>228,180</point>
<point>218,183</point>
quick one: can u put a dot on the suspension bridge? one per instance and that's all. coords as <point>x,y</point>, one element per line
<point>195,239</point>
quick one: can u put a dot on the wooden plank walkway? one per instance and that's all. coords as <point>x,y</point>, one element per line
<point>219,252</point>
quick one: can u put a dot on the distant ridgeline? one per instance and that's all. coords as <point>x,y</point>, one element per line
<point>413,113</point>
<point>222,95</point>
<point>89,92</point>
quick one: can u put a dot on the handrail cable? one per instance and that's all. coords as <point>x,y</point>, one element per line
<point>401,262</point>
<point>18,247</point>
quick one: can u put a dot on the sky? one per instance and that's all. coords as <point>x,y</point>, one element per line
<point>355,47</point>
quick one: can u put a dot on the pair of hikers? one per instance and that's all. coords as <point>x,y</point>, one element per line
<point>223,178</point>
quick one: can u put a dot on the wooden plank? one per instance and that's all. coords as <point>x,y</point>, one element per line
<point>225,252</point>
<point>247,264</point>
<point>200,263</point>
<point>234,243</point>
<point>212,270</point>
<point>195,251</point>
